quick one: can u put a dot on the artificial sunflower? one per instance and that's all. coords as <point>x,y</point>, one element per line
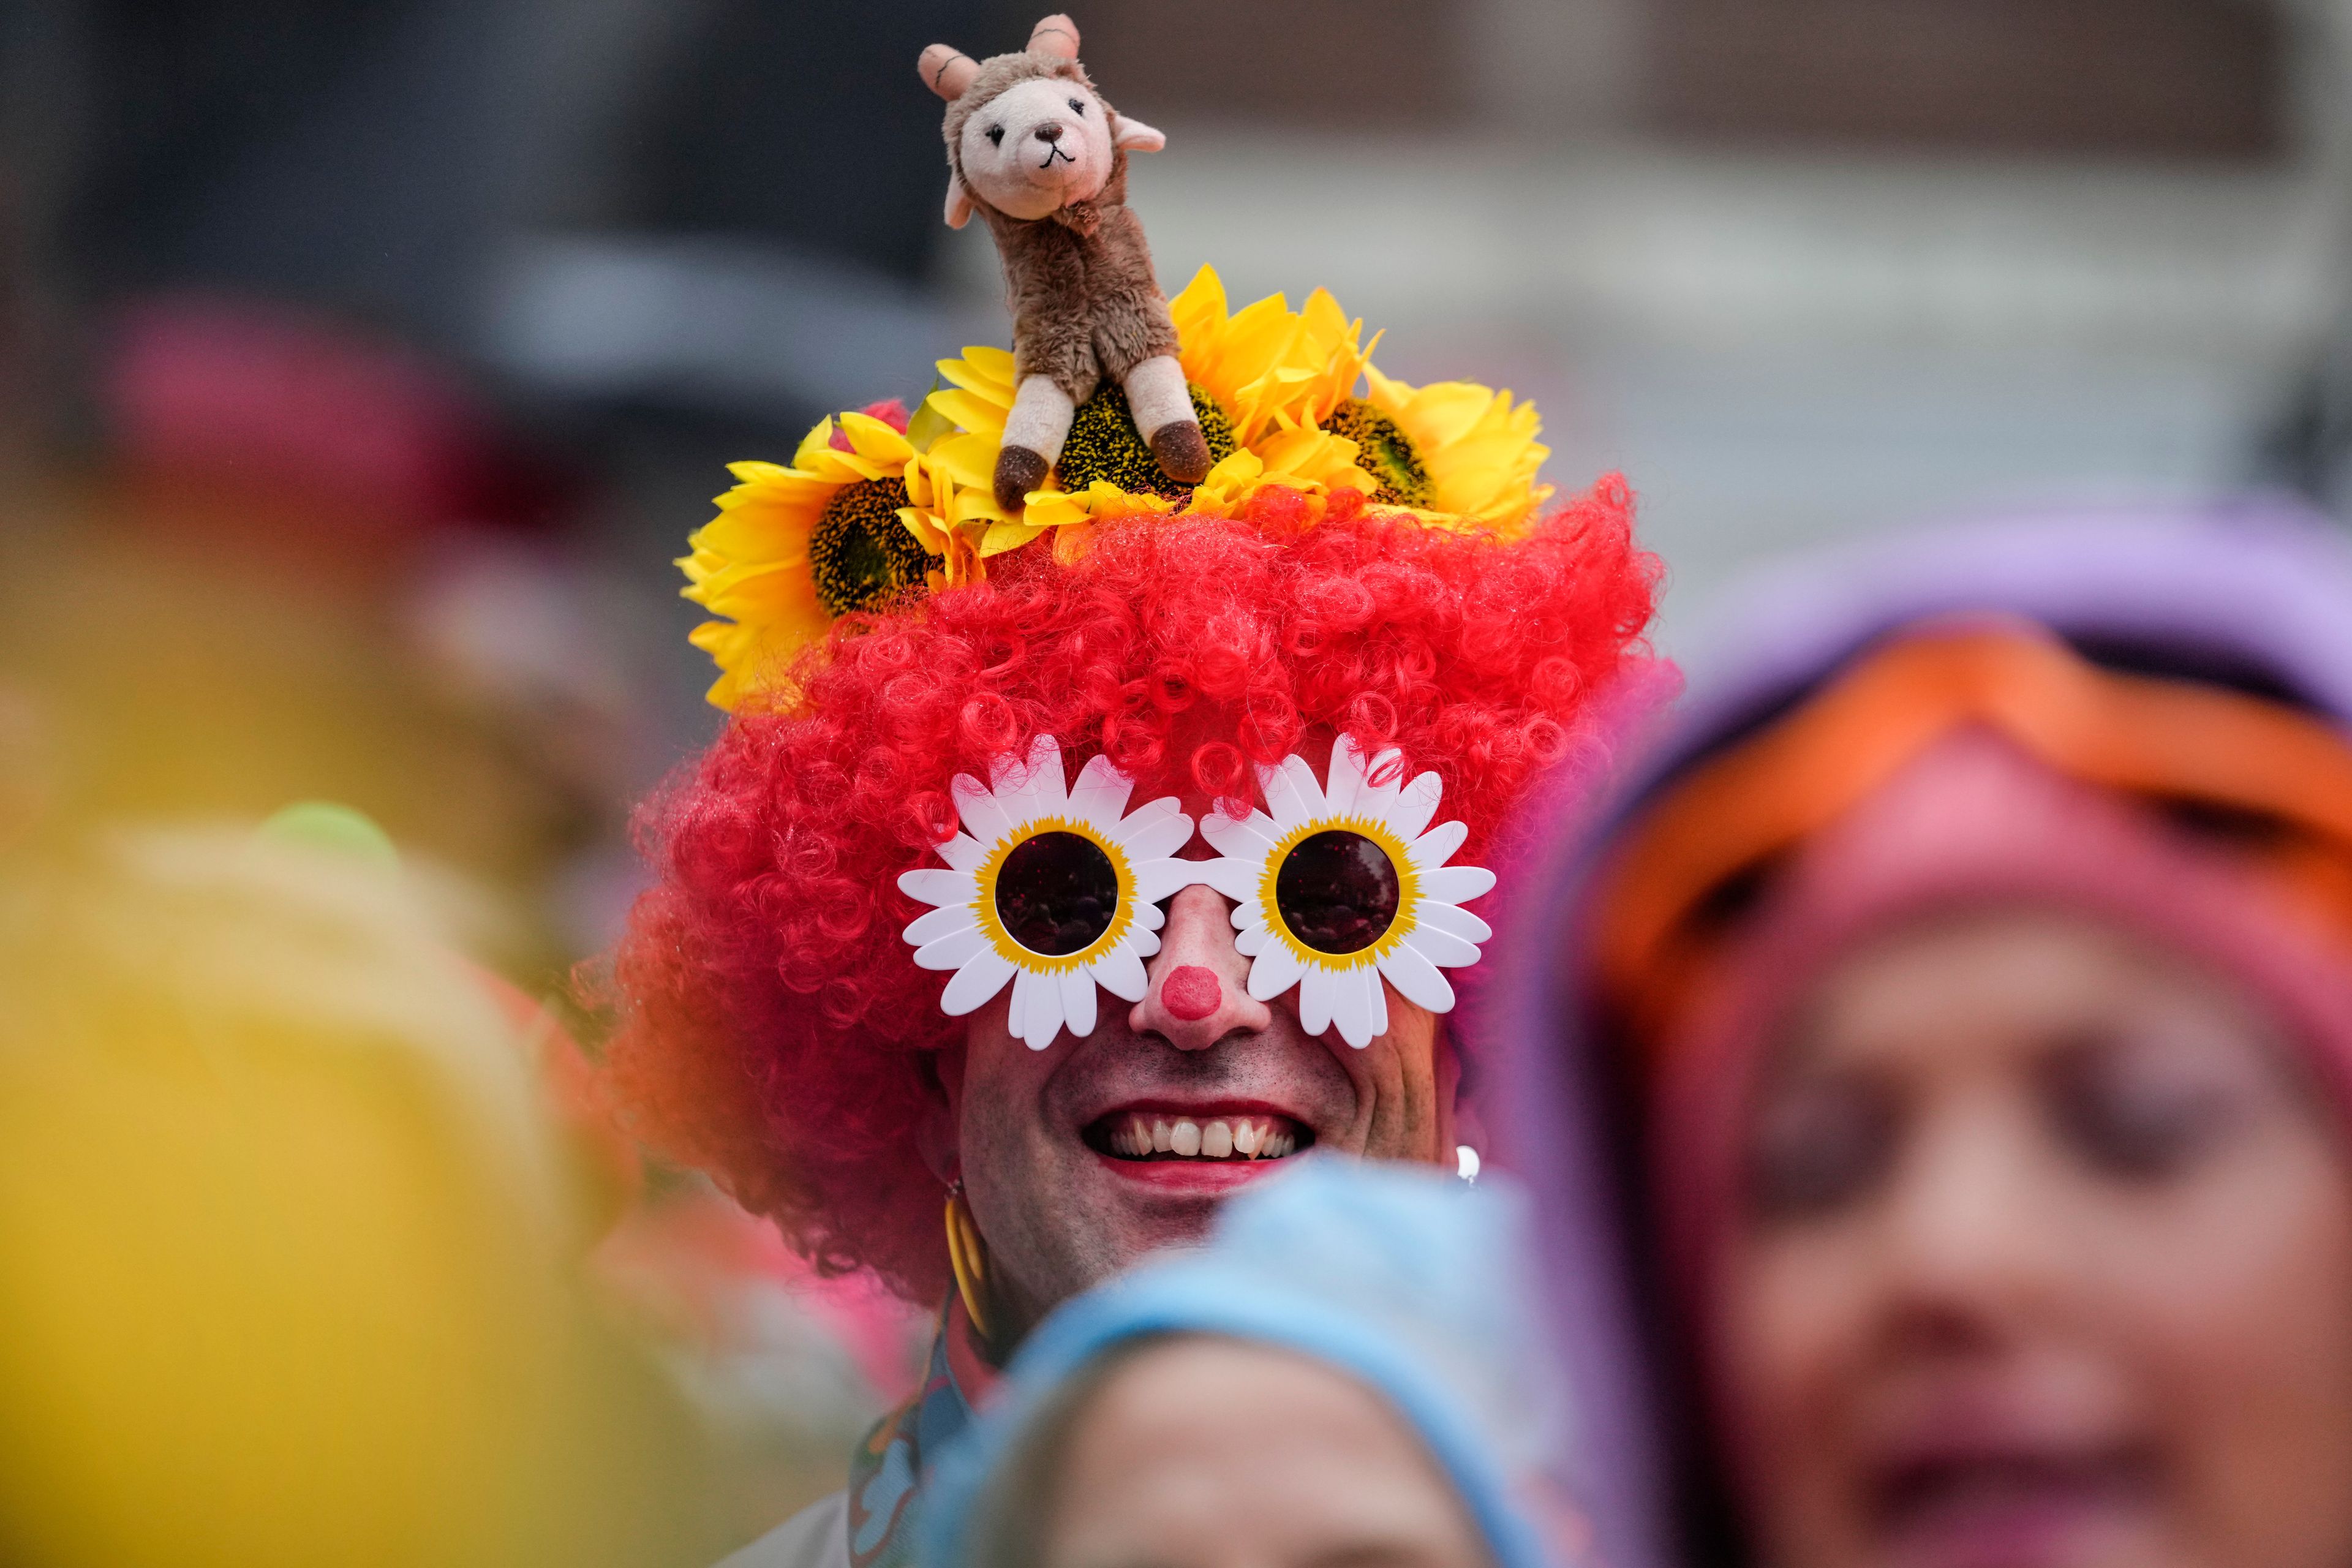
<point>837,531</point>
<point>973,407</point>
<point>1261,380</point>
<point>867,512</point>
<point>1451,448</point>
<point>1298,458</point>
<point>1104,447</point>
<point>1267,364</point>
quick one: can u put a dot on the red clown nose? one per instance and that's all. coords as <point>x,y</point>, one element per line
<point>1190,993</point>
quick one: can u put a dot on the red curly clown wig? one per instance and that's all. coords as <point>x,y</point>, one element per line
<point>775,1025</point>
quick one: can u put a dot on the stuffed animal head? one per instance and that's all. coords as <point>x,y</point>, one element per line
<point>1027,134</point>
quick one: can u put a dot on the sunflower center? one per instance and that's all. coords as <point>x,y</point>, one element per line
<point>1386,451</point>
<point>860,555</point>
<point>1104,444</point>
<point>1337,892</point>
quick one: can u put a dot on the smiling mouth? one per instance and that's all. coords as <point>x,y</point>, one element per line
<point>2006,1491</point>
<point>1152,1136</point>
<point>1054,151</point>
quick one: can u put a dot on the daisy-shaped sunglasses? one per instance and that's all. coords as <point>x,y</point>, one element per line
<point>1056,889</point>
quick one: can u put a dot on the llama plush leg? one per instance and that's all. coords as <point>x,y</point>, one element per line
<point>1163,417</point>
<point>1033,434</point>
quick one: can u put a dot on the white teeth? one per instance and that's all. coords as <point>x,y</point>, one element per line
<point>1137,1137</point>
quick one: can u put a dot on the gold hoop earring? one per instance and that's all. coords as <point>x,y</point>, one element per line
<point>968,1256</point>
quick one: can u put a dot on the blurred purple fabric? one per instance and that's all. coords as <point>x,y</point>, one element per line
<point>2256,593</point>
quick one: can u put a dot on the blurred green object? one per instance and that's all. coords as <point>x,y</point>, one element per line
<point>327,824</point>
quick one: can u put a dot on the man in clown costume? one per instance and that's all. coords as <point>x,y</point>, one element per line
<point>1063,871</point>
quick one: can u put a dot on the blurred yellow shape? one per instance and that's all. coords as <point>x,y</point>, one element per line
<point>283,1241</point>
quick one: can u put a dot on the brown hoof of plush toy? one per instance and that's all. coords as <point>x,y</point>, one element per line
<point>1019,470</point>
<point>1182,451</point>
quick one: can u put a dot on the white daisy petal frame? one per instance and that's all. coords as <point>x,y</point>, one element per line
<point>963,931</point>
<point>1431,932</point>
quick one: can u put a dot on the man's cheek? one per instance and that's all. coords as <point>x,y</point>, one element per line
<point>1011,1144</point>
<point>991,1134</point>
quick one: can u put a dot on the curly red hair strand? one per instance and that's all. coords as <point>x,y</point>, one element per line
<point>774,1028</point>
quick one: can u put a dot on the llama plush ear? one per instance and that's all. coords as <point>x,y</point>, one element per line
<point>947,71</point>
<point>1134,135</point>
<point>958,203</point>
<point>1056,36</point>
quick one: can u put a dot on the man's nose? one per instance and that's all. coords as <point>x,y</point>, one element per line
<point>1197,990</point>
<point>1050,132</point>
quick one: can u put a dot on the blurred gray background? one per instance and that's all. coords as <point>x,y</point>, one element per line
<point>1799,268</point>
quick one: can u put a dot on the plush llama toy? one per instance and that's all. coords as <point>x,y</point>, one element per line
<point>1034,148</point>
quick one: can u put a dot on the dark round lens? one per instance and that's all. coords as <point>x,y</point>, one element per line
<point>1056,893</point>
<point>1337,892</point>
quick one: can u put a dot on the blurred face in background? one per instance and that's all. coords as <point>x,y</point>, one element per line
<point>1209,1453</point>
<point>2045,1257</point>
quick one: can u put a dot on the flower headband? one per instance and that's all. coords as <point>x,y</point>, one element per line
<point>1337,887</point>
<point>878,508</point>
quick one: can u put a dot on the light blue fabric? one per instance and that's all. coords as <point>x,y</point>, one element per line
<point>1405,1279</point>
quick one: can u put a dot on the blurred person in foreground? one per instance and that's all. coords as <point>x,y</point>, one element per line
<point>287,1242</point>
<point>1965,982</point>
<point>1347,1373</point>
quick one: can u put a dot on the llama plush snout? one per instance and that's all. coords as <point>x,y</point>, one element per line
<point>1038,147</point>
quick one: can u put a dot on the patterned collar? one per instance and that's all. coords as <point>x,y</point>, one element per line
<point>886,1472</point>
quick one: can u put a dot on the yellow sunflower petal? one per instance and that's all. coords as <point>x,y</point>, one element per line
<point>971,410</point>
<point>942,496</point>
<point>749,564</point>
<point>978,394</point>
<point>970,506</point>
<point>927,530</point>
<point>1099,502</point>
<point>1226,484</point>
<point>1110,501</point>
<point>968,459</point>
<point>1312,460</point>
<point>812,448</point>
<point>982,369</point>
<point>758,532</point>
<point>1199,308</point>
<point>1334,340</point>
<point>1003,536</point>
<point>1055,508</point>
<point>876,442</point>
<point>1266,363</point>
<point>1477,444</point>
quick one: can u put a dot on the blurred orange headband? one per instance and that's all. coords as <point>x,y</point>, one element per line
<point>2174,742</point>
